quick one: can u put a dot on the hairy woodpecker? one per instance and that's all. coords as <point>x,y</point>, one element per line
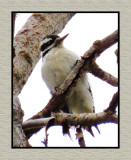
<point>58,62</point>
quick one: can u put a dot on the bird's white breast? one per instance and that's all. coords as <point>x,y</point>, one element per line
<point>57,64</point>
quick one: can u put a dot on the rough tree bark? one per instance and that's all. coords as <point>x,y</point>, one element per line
<point>26,43</point>
<point>26,48</point>
<point>19,139</point>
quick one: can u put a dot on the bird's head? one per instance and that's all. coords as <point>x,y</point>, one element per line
<point>50,42</point>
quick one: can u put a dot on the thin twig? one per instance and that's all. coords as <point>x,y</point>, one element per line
<point>105,76</point>
<point>113,104</point>
<point>116,53</point>
<point>80,137</point>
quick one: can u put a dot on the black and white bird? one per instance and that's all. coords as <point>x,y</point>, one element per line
<point>58,62</point>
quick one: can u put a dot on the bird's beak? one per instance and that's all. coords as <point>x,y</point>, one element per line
<point>60,40</point>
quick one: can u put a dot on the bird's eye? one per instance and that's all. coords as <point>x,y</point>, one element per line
<point>49,43</point>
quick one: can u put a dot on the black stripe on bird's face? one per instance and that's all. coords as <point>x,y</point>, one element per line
<point>47,44</point>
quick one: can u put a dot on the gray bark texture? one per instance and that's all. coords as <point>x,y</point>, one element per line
<point>26,43</point>
<point>26,54</point>
<point>19,139</point>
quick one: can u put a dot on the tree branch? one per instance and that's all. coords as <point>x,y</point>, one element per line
<point>36,123</point>
<point>105,76</point>
<point>80,137</point>
<point>26,43</point>
<point>19,139</point>
<point>116,53</point>
<point>113,104</point>
<point>84,119</point>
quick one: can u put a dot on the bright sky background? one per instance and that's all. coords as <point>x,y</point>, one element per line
<point>83,29</point>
